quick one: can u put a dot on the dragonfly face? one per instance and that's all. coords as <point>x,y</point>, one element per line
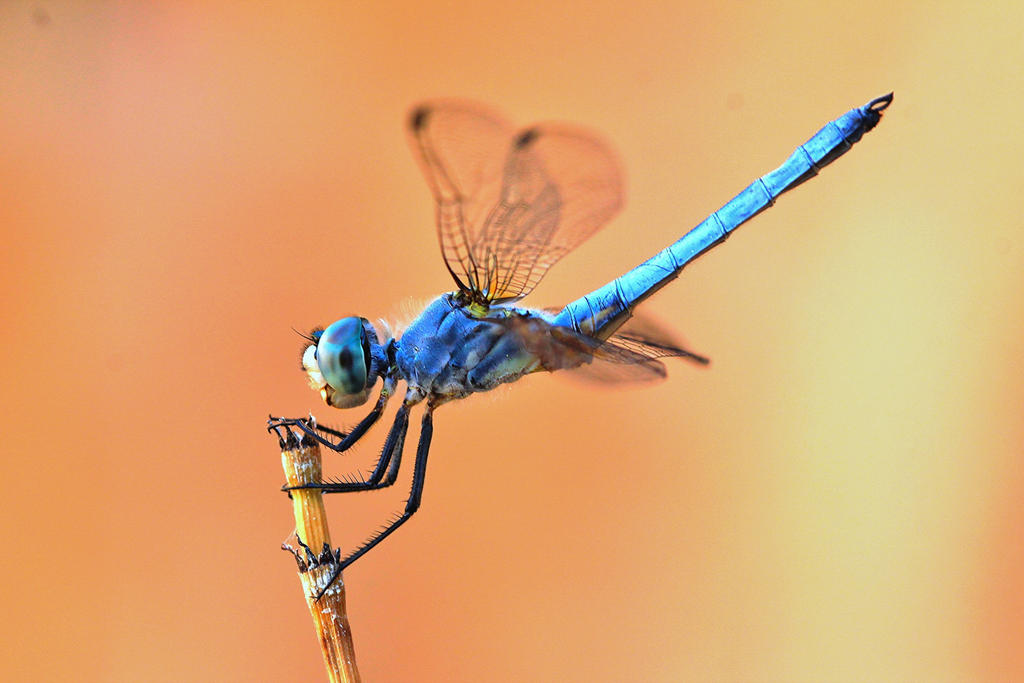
<point>344,362</point>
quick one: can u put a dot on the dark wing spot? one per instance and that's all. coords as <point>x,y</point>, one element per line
<point>418,118</point>
<point>526,138</point>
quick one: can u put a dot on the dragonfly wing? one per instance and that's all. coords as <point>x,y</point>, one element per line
<point>461,148</point>
<point>631,355</point>
<point>510,205</point>
<point>610,374</point>
<point>560,185</point>
<point>646,336</point>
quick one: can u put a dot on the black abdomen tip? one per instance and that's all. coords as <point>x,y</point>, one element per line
<point>880,103</point>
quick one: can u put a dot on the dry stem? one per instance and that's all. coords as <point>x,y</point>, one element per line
<point>300,457</point>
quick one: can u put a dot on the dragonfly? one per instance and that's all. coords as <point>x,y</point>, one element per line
<point>510,204</point>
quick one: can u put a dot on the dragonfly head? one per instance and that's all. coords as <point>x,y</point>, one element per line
<point>344,362</point>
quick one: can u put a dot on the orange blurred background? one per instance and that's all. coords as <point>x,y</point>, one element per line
<point>837,498</point>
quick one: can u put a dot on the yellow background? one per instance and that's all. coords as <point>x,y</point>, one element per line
<point>837,498</point>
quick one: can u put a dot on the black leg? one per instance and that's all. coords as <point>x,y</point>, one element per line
<point>345,440</point>
<point>411,505</point>
<point>391,454</point>
<point>336,433</point>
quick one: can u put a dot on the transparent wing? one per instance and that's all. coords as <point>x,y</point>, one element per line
<point>559,186</point>
<point>631,355</point>
<point>640,337</point>
<point>646,336</point>
<point>461,149</point>
<point>509,207</point>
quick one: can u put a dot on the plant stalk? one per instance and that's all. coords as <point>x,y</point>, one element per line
<point>300,457</point>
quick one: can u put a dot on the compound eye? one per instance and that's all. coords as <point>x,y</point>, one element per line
<point>343,355</point>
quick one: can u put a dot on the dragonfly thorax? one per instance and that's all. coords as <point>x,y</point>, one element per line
<point>451,350</point>
<point>344,361</point>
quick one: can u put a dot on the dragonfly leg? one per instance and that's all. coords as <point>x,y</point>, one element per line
<point>345,440</point>
<point>411,505</point>
<point>389,462</point>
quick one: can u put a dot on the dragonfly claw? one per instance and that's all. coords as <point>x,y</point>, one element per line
<point>309,561</point>
<point>286,436</point>
<point>307,558</point>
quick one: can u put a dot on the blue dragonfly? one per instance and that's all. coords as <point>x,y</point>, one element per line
<point>509,204</point>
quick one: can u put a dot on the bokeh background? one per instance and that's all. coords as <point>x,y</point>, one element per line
<point>838,498</point>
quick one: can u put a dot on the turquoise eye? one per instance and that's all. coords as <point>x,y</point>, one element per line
<point>343,354</point>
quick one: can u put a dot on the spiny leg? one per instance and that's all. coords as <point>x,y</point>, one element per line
<point>411,505</point>
<point>415,494</point>
<point>346,441</point>
<point>391,454</point>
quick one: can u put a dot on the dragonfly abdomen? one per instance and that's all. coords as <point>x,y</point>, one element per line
<point>601,312</point>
